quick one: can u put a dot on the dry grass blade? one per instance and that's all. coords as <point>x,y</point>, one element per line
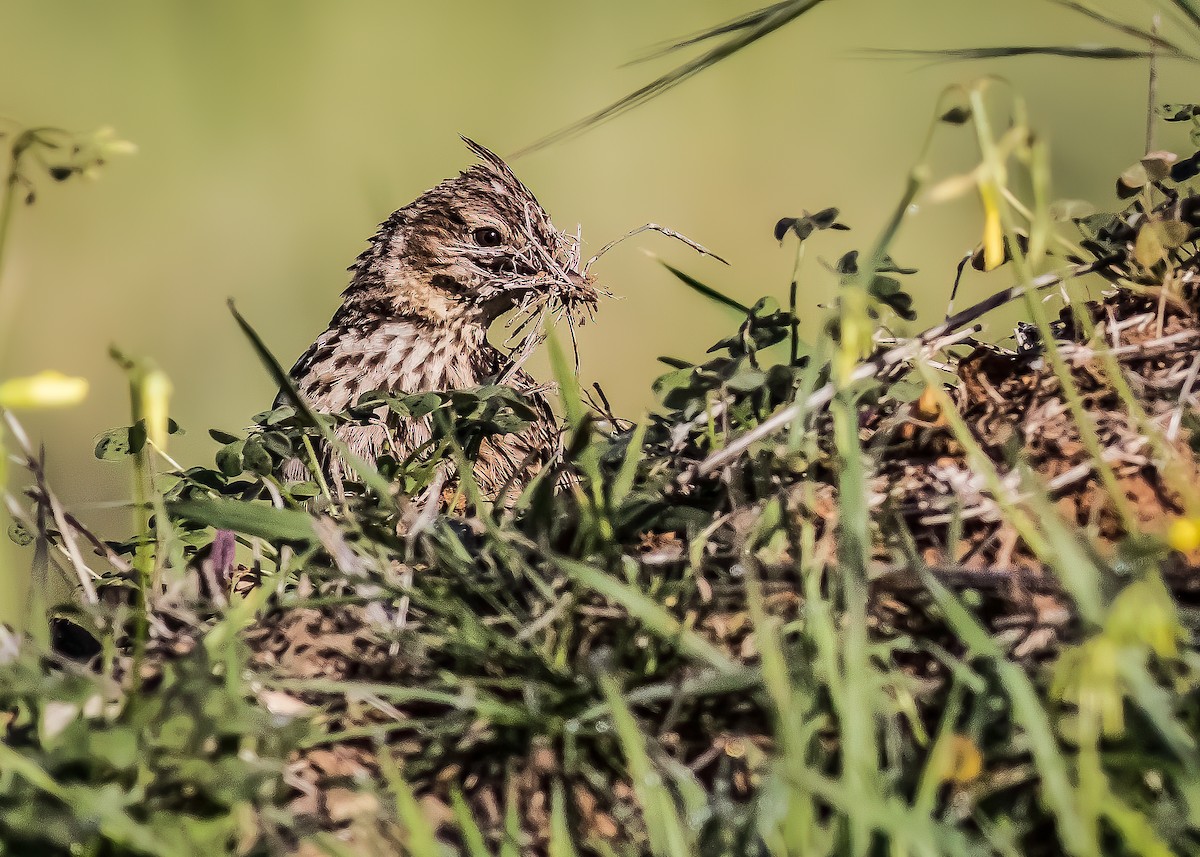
<point>755,26</point>
<point>742,22</point>
<point>745,30</point>
<point>1189,10</point>
<point>653,227</point>
<point>33,463</point>
<point>569,296</point>
<point>1095,52</point>
<point>1148,36</point>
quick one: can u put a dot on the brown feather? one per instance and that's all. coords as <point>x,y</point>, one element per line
<point>415,317</point>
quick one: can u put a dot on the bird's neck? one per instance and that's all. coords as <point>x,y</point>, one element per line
<point>416,355</point>
<point>412,339</point>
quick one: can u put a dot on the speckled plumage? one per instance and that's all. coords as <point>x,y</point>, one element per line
<point>415,316</point>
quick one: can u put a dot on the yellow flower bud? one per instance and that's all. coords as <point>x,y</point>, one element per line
<point>47,389</point>
<point>155,390</point>
<point>107,143</point>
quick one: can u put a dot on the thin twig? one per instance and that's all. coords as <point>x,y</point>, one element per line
<point>1184,395</point>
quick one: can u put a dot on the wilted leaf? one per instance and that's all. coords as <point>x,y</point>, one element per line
<point>155,391</point>
<point>994,251</point>
<point>966,761</point>
<point>1071,209</point>
<point>1148,249</point>
<point>977,258</point>
<point>1132,181</point>
<point>1158,165</point>
<point>1172,233</point>
<point>953,187</point>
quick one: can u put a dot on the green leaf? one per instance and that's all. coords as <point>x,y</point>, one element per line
<point>223,437</point>
<point>252,519</point>
<point>229,458</point>
<point>19,535</point>
<point>115,444</point>
<point>560,833</point>
<point>255,457</point>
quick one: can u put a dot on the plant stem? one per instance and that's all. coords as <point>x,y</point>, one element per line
<point>1152,87</point>
<point>7,204</point>
<point>795,323</point>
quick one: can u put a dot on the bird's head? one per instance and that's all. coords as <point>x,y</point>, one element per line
<point>470,249</point>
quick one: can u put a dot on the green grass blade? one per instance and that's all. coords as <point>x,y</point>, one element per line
<point>860,753</point>
<point>1094,52</point>
<point>421,841</point>
<point>623,483</point>
<point>468,828</point>
<point>653,616</point>
<point>568,383</point>
<point>1190,11</point>
<point>476,701</point>
<point>560,832</point>
<point>668,836</point>
<point>1123,27</point>
<point>510,847</point>
<point>707,290</point>
<point>265,522</point>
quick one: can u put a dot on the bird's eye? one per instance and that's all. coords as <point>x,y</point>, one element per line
<point>486,236</point>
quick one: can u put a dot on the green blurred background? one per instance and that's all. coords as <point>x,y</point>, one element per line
<point>275,134</point>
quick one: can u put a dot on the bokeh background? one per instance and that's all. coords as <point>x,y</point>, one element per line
<point>275,134</point>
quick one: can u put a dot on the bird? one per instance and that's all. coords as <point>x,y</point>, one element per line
<point>415,318</point>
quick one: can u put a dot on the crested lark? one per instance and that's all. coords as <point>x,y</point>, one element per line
<point>416,314</point>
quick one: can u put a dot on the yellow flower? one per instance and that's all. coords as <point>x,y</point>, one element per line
<point>1184,534</point>
<point>47,389</point>
<point>966,761</point>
